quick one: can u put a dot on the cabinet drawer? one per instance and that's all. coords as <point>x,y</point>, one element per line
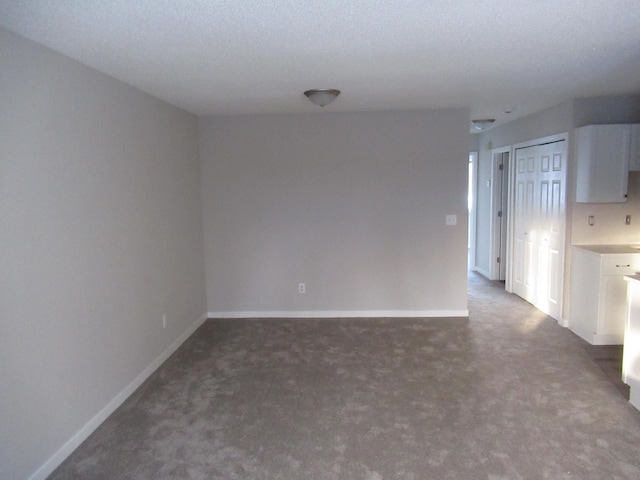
<point>627,264</point>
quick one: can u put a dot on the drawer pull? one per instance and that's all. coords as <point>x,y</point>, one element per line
<point>623,266</point>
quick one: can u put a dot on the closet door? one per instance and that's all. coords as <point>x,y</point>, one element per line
<point>539,224</point>
<point>525,218</point>
<point>551,213</point>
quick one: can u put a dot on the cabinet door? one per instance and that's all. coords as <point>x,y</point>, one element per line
<point>634,161</point>
<point>631,352</point>
<point>585,291</point>
<point>602,163</point>
<point>613,307</point>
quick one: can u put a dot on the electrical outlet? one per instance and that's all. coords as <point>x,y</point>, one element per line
<point>451,220</point>
<point>302,288</point>
<point>164,320</point>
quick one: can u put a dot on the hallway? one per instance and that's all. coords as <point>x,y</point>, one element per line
<point>607,357</point>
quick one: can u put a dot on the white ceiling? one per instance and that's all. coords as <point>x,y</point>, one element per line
<point>218,57</point>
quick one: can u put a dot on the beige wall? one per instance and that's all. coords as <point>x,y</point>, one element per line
<point>100,235</point>
<point>352,204</point>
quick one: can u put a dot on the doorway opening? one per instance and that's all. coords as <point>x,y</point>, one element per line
<point>499,205</point>
<point>471,208</point>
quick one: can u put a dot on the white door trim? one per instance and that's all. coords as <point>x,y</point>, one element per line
<point>495,205</point>
<point>473,215</point>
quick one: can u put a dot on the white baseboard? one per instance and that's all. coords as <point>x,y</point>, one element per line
<point>74,442</point>
<point>343,314</point>
<point>600,339</point>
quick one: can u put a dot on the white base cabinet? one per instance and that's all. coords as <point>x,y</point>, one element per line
<point>598,292</point>
<point>631,352</point>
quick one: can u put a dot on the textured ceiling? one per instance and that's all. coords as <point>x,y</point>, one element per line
<point>252,56</point>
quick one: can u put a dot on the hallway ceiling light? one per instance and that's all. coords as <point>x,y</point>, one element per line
<point>322,96</point>
<point>483,123</point>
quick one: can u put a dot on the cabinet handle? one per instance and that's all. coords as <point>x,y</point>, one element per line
<point>623,266</point>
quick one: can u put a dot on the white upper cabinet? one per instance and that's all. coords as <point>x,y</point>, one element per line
<point>634,161</point>
<point>603,159</point>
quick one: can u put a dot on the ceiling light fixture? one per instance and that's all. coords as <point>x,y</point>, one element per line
<point>482,123</point>
<point>322,96</point>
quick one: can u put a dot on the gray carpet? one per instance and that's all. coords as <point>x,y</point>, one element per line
<point>505,394</point>
<point>609,359</point>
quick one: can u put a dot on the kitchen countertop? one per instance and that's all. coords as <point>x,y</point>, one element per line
<point>635,277</point>
<point>604,249</point>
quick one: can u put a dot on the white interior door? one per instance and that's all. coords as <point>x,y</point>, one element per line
<point>524,252</point>
<point>499,209</point>
<point>552,202</point>
<point>501,215</point>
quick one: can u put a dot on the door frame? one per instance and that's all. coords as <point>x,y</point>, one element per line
<point>472,232</point>
<point>499,201</point>
<point>511,208</point>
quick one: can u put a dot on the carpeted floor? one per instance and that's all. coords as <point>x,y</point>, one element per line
<point>609,359</point>
<point>505,394</point>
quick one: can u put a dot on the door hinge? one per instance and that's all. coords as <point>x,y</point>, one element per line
<point>498,260</point>
<point>501,167</point>
<point>500,214</point>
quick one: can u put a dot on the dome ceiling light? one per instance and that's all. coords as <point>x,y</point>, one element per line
<point>322,96</point>
<point>482,123</point>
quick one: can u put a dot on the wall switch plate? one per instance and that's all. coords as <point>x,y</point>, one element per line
<point>627,220</point>
<point>164,320</point>
<point>452,220</point>
<point>592,220</point>
<point>302,288</point>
